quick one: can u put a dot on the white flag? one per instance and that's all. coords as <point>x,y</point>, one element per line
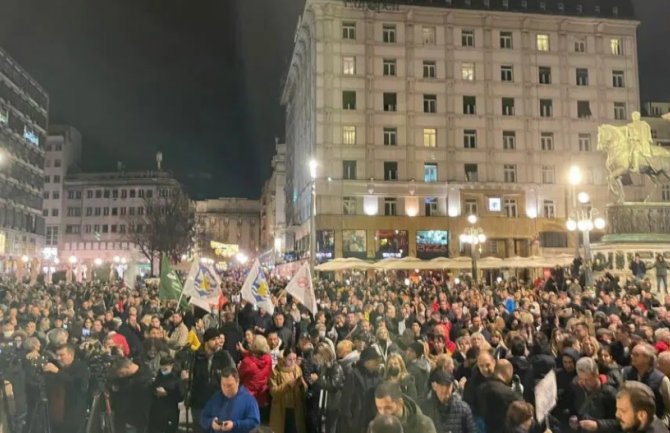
<point>301,288</point>
<point>545,396</point>
<point>203,286</point>
<point>256,290</point>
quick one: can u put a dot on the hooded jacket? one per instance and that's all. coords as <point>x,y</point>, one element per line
<point>255,374</point>
<point>413,420</point>
<point>564,385</point>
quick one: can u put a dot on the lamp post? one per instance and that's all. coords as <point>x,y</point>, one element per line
<point>574,179</point>
<point>313,165</point>
<point>474,236</point>
<point>585,218</point>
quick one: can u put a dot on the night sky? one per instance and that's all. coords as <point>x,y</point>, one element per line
<point>199,80</point>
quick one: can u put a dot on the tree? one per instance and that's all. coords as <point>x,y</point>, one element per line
<point>166,226</point>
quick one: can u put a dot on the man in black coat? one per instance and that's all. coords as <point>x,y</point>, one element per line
<point>495,395</point>
<point>131,393</point>
<point>445,408</point>
<point>284,331</point>
<point>593,399</point>
<point>67,391</point>
<point>164,417</point>
<point>357,404</point>
<point>134,336</point>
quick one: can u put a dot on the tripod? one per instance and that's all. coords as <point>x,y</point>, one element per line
<point>101,418</point>
<point>39,419</point>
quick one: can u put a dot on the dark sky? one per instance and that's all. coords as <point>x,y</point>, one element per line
<point>199,80</point>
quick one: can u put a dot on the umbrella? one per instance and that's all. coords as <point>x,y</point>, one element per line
<point>406,263</point>
<point>342,264</point>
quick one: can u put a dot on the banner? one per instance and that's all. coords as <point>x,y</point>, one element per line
<point>546,396</point>
<point>301,288</point>
<point>256,289</point>
<point>170,286</point>
<point>203,286</point>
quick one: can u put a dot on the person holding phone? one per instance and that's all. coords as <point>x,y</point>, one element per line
<point>233,409</point>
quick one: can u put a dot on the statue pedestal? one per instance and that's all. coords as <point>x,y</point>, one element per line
<point>638,223</point>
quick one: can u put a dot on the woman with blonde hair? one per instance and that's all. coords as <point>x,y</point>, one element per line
<point>287,388</point>
<point>396,372</point>
<point>255,370</point>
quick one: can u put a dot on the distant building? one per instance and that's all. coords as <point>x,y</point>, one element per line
<point>273,205</point>
<point>229,221</point>
<point>655,109</point>
<point>63,156</point>
<point>24,114</point>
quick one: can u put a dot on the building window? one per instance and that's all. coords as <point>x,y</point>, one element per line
<point>140,210</point>
<point>471,207</point>
<point>390,136</point>
<point>429,103</point>
<point>467,38</point>
<point>89,194</point>
<point>616,47</point>
<point>390,170</point>
<point>131,193</point>
<point>469,105</point>
<point>547,141</point>
<point>506,73</point>
<point>548,174</point>
<point>57,163</point>
<point>471,173</point>
<point>617,79</point>
<point>52,235</point>
<point>665,193</point>
<point>105,211</point>
<point>544,74</point>
<point>511,208</point>
<point>89,211</point>
<point>428,35</point>
<point>4,115</point>
<point>349,170</point>
<point>349,65</point>
<point>55,195</point>
<point>509,171</point>
<point>54,212</point>
<point>430,206</point>
<point>45,195</point>
<point>546,108</point>
<point>124,193</point>
<point>131,211</point>
<point>429,69</point>
<point>389,67</point>
<point>349,134</point>
<point>506,40</point>
<point>583,109</point>
<point>113,228</point>
<point>509,140</point>
<point>348,99</point>
<point>390,101</point>
<point>470,139</point>
<point>508,106</point>
<point>584,142</point>
<point>505,4</point>
<point>98,193</point>
<point>349,30</point>
<point>580,46</point>
<point>542,41</point>
<point>123,210</point>
<point>582,77</point>
<point>468,71</point>
<point>115,211</point>
<point>30,135</point>
<point>430,172</point>
<point>429,137</point>
<point>349,205</point>
<point>98,211</point>
<point>57,179</point>
<point>549,209</point>
<point>72,229</point>
<point>620,111</point>
<point>390,206</point>
<point>388,33</point>
<point>106,193</point>
<point>105,228</point>
<point>70,195</point>
<point>45,212</point>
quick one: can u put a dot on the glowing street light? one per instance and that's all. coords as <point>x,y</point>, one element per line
<point>97,261</point>
<point>575,175</point>
<point>72,260</point>
<point>25,258</point>
<point>473,236</point>
<point>241,258</point>
<point>583,197</point>
<point>313,165</point>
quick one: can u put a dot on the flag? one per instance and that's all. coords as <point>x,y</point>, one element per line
<point>170,286</point>
<point>256,289</point>
<point>203,286</point>
<point>301,288</point>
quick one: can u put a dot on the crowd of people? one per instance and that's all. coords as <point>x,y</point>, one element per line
<point>383,354</point>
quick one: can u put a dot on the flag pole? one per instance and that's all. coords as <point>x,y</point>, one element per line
<point>181,296</point>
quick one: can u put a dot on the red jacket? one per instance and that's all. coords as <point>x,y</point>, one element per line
<point>255,374</point>
<point>120,341</point>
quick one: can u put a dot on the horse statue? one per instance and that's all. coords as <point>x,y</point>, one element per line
<point>627,154</point>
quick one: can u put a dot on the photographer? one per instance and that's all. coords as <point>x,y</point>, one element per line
<point>67,391</point>
<point>131,394</point>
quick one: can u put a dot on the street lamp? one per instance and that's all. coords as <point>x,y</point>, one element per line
<point>474,236</point>
<point>585,218</point>
<point>97,261</point>
<point>313,165</point>
<point>72,260</point>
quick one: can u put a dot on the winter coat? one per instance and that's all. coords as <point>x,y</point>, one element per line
<point>206,378</point>
<point>493,399</point>
<point>255,374</point>
<point>288,392</point>
<point>67,392</point>
<point>241,409</point>
<point>564,386</point>
<point>454,417</point>
<point>599,405</point>
<point>384,350</point>
<point>540,365</point>
<point>131,400</point>
<point>178,337</point>
<point>357,402</point>
<point>413,420</point>
<point>164,414</point>
<point>420,370</point>
<point>233,334</point>
<point>661,268</point>
<point>638,268</point>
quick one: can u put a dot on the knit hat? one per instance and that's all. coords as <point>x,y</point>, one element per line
<point>210,334</point>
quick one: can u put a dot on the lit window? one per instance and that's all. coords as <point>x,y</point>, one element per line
<point>509,171</point>
<point>429,137</point>
<point>349,65</point>
<point>542,41</point>
<point>467,38</point>
<point>4,115</point>
<point>30,135</point>
<point>616,47</point>
<point>509,140</point>
<point>430,172</point>
<point>468,71</point>
<point>428,34</point>
<point>349,134</point>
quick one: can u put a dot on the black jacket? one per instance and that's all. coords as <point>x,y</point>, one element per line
<point>357,402</point>
<point>164,415</point>
<point>599,405</point>
<point>493,399</point>
<point>67,392</point>
<point>454,417</point>
<point>205,379</point>
<point>131,400</point>
<point>233,334</point>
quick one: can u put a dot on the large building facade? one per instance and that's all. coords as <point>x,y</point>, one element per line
<point>422,113</point>
<point>273,205</point>
<point>231,221</point>
<point>24,118</point>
